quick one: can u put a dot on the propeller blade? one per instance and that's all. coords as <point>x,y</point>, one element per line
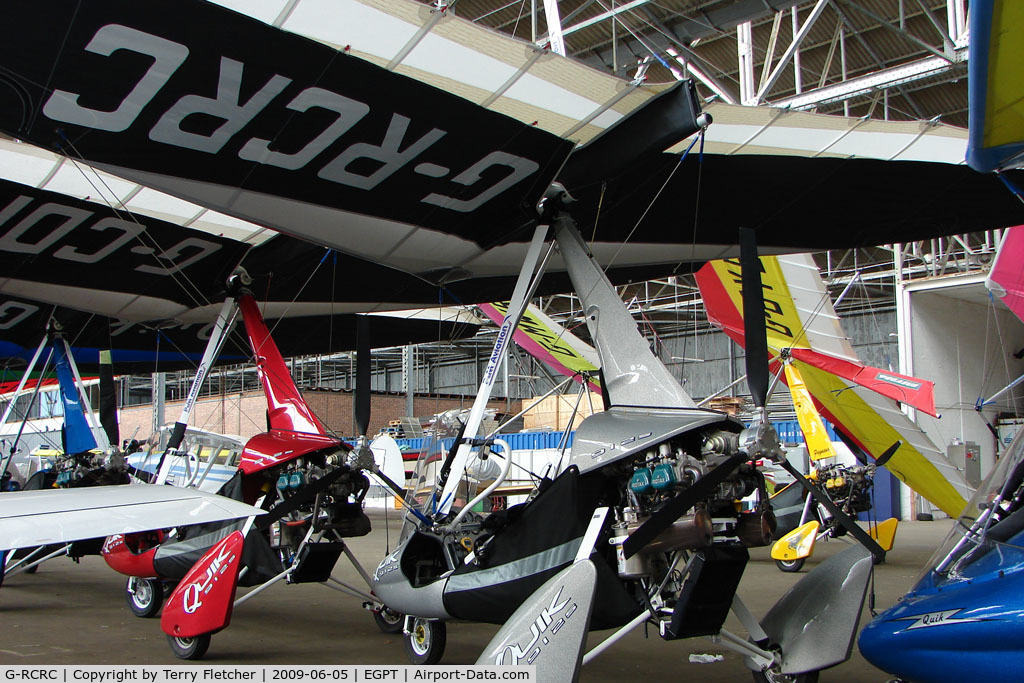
<point>362,398</point>
<point>677,507</point>
<point>753,318</point>
<point>108,399</point>
<point>889,452</point>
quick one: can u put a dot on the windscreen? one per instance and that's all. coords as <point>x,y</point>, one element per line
<point>438,440</point>
<point>989,535</point>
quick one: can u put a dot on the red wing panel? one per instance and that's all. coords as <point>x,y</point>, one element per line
<point>203,601</point>
<point>719,305</point>
<point>916,392</point>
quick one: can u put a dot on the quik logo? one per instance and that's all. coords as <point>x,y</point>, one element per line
<point>194,592</point>
<point>899,381</point>
<point>943,618</point>
<point>545,625</point>
<point>112,543</point>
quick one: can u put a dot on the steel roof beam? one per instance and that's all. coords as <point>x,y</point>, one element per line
<point>819,7</point>
<point>878,80</point>
<point>878,60</point>
<point>896,29</point>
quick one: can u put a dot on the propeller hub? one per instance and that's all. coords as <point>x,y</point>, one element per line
<point>761,441</point>
<point>361,457</point>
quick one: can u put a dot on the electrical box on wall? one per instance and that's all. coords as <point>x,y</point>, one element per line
<point>967,456</point>
<point>1007,429</point>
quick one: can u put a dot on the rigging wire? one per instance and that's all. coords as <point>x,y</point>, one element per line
<point>189,288</point>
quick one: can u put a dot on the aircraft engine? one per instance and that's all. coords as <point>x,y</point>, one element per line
<point>326,495</point>
<point>652,478</point>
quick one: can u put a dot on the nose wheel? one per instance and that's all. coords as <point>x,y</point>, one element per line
<point>189,648</point>
<point>388,620</point>
<point>425,641</point>
<point>790,566</point>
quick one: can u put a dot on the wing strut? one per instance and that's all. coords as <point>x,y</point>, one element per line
<point>529,278</point>
<point>228,310</point>
<point>14,401</point>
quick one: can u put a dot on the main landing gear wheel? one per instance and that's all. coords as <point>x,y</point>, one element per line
<point>388,620</point>
<point>189,648</point>
<point>145,597</point>
<point>790,566</point>
<point>425,645</point>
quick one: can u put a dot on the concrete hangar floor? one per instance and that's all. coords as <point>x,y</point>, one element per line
<point>71,613</point>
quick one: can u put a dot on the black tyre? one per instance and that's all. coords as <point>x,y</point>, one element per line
<point>388,620</point>
<point>775,677</point>
<point>790,566</point>
<point>425,645</point>
<point>145,597</point>
<point>189,648</point>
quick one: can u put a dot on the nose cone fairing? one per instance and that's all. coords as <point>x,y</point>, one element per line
<point>964,618</point>
<point>972,630</point>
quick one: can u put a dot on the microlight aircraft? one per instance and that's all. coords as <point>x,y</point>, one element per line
<point>341,149</point>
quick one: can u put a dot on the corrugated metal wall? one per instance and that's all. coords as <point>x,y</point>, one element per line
<point>722,362</point>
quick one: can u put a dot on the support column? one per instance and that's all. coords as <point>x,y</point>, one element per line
<point>905,356</point>
<point>159,391</point>
<point>409,380</point>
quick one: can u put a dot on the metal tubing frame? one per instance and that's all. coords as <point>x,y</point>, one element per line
<point>17,395</point>
<point>213,346</point>
<point>616,637</point>
<point>743,613</point>
<point>487,491</point>
<point>263,586</point>
<point>529,278</point>
<point>19,569</point>
<point>655,602</point>
<point>763,658</point>
<point>24,379</point>
<point>351,590</point>
<point>355,563</point>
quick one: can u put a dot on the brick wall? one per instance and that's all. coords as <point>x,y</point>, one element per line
<point>245,415</point>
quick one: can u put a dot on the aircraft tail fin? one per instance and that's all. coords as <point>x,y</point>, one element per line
<point>286,409</point>
<point>79,436</point>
